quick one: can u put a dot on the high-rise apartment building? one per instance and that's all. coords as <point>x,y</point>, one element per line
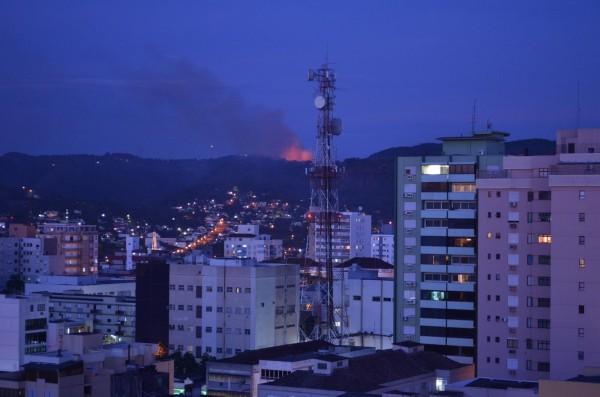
<point>77,243</point>
<point>232,305</point>
<point>539,263</point>
<point>436,244</point>
<point>351,237</point>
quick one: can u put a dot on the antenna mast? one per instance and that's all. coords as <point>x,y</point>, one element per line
<point>474,116</point>
<point>323,214</point>
<point>578,107</point>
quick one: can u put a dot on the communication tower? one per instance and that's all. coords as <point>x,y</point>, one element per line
<point>324,215</point>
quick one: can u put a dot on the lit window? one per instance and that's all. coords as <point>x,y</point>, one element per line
<point>581,262</point>
<point>434,169</point>
<point>544,239</point>
<point>582,195</point>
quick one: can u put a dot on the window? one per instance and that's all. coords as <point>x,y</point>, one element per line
<point>463,187</point>
<point>512,343</point>
<point>543,323</point>
<point>247,331</point>
<point>529,343</point>
<point>434,169</point>
<point>180,307</point>
<point>544,239</point>
<point>208,329</point>
<point>498,215</point>
<point>529,196</point>
<point>543,172</point>
<point>581,262</point>
<point>190,307</point>
<point>529,238</point>
<point>581,332</point>
<point>208,309</point>
<point>219,330</point>
<point>229,289</point>
<point>581,240</point>
<point>544,217</point>
<point>490,235</point>
<point>529,322</point>
<point>582,195</point>
<point>498,194</point>
<point>209,288</point>
<point>581,286</point>
<point>529,280</point>
<point>544,260</point>
<point>544,195</point>
<point>181,287</point>
<point>219,309</point>
<point>544,281</point>
<point>529,365</point>
<point>376,299</point>
<point>219,289</point>
<point>190,288</point>
<point>529,301</point>
<point>582,217</point>
<point>581,309</point>
<point>543,302</point>
<point>543,366</point>
<point>580,355</point>
<point>530,259</point>
<point>172,287</point>
<point>247,290</point>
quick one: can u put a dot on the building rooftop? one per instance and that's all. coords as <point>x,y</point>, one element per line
<point>431,361</point>
<point>252,357</point>
<point>363,374</point>
<point>366,263</point>
<point>585,379</point>
<point>502,384</point>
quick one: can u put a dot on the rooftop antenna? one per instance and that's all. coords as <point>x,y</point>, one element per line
<point>578,107</point>
<point>473,116</point>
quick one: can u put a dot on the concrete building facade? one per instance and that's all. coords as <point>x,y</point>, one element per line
<point>232,305</point>
<point>77,243</point>
<point>436,244</point>
<point>539,263</point>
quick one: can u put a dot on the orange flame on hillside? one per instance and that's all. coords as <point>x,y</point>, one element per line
<point>296,153</point>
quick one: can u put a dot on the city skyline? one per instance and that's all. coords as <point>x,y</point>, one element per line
<point>201,80</point>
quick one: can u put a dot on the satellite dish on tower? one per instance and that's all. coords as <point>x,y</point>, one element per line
<point>320,102</point>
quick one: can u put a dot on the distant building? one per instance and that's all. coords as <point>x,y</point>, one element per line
<point>249,243</point>
<point>382,247</point>
<point>539,263</point>
<point>25,260</point>
<point>77,243</point>
<point>232,305</point>
<point>351,237</point>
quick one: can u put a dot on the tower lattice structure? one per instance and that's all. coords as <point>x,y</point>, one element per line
<point>323,216</point>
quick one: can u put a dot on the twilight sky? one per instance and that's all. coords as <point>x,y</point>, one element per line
<point>200,79</point>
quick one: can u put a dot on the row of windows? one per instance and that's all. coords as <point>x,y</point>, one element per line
<point>445,169</point>
<point>453,277</point>
<point>445,187</point>
<point>443,241</point>
<point>436,259</point>
<point>446,205</point>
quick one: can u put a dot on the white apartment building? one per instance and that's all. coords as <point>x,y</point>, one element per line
<point>232,305</point>
<point>249,243</point>
<point>365,286</point>
<point>382,247</point>
<point>24,258</point>
<point>351,237</point>
<point>23,324</point>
